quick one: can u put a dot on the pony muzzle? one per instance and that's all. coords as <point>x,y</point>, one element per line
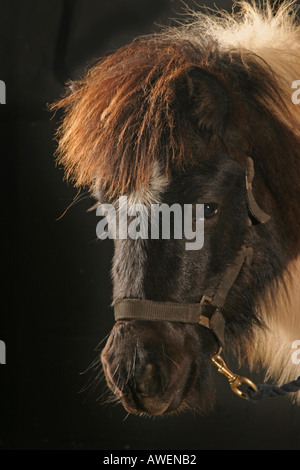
<point>147,372</point>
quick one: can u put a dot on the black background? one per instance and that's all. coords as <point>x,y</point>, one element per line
<point>55,274</point>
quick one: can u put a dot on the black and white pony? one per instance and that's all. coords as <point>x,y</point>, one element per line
<point>176,117</point>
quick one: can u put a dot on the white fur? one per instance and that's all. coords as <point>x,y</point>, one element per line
<point>254,28</point>
<point>272,346</point>
<point>151,194</point>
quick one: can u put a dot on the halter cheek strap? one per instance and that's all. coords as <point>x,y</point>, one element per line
<point>208,311</point>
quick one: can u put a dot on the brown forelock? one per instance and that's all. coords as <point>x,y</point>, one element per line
<point>123,115</point>
<point>129,110</point>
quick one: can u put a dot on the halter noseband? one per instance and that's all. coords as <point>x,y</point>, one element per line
<point>206,313</point>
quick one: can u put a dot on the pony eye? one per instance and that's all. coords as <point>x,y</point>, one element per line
<point>210,210</point>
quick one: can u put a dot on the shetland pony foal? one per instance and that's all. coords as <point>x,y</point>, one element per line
<point>174,117</point>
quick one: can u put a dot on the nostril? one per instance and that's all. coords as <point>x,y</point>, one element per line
<point>149,381</point>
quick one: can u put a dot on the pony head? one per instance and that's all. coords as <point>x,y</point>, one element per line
<point>174,118</point>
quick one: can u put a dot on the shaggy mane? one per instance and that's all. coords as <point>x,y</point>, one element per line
<point>125,114</point>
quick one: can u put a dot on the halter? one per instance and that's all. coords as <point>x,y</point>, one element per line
<point>208,312</point>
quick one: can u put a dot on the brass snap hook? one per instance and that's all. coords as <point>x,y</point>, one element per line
<point>234,380</point>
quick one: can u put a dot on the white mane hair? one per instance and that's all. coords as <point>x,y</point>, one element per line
<point>270,30</point>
